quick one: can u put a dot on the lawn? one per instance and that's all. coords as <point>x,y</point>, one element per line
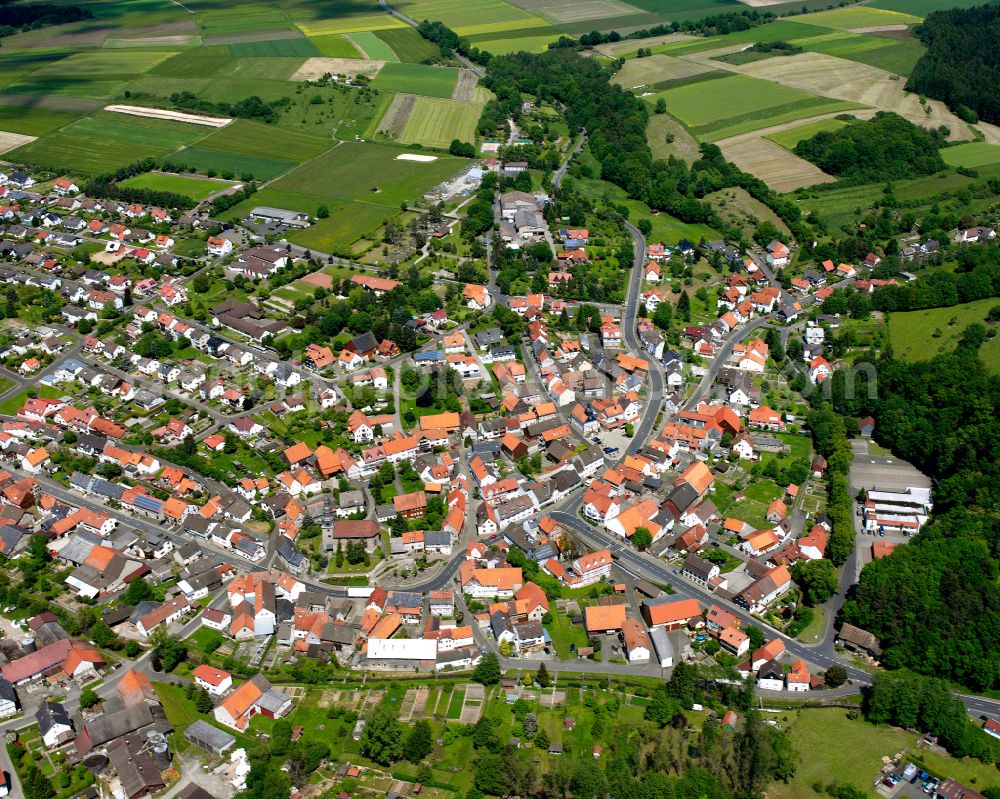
<point>920,335</point>
<point>435,122</point>
<point>971,154</point>
<point>831,745</point>
<point>195,188</point>
<point>374,46</point>
<point>417,79</point>
<point>789,138</point>
<point>346,224</point>
<point>737,103</point>
<point>564,634</point>
<point>274,48</point>
<point>408,45</point>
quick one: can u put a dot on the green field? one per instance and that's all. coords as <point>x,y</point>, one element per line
<point>243,137</point>
<point>241,19</point>
<point>106,141</point>
<point>363,184</point>
<point>416,79</point>
<point>335,45</point>
<point>436,123</point>
<point>789,138</point>
<point>469,17</point>
<point>409,46</point>
<point>860,17</point>
<point>734,104</point>
<point>349,24</point>
<point>274,48</point>
<point>116,63</point>
<point>971,154</point>
<point>201,63</point>
<point>263,71</point>
<point>32,121</point>
<point>374,47</point>
<point>195,188</point>
<point>920,335</point>
<point>687,9</point>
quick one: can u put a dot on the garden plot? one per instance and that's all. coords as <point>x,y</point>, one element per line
<point>394,122</point>
<point>465,88</point>
<point>472,705</point>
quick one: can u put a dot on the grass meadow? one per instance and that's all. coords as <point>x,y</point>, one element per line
<point>195,188</point>
<point>417,79</point>
<point>435,123</point>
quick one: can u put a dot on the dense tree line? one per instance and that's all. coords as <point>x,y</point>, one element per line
<point>107,187</point>
<point>615,121</point>
<point>248,108</point>
<point>714,25</point>
<point>926,704</point>
<point>31,16</point>
<point>449,41</point>
<point>830,440</point>
<point>935,603</point>
<point>226,201</point>
<point>962,62</point>
<point>886,147</point>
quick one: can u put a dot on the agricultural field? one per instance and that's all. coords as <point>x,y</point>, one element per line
<point>349,24</point>
<point>195,188</point>
<point>408,45</point>
<point>335,45</point>
<point>734,104</point>
<point>920,335</point>
<point>971,154</point>
<point>373,47</point>
<point>789,137</point>
<point>301,47</point>
<point>105,142</point>
<point>417,79</point>
<point>201,63</point>
<point>435,123</point>
<point>492,25</point>
<point>861,16</point>
<point>246,147</point>
<point>778,167</point>
<point>355,174</point>
<point>32,121</point>
<point>654,70</point>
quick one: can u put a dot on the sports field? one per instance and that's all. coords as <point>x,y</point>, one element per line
<point>195,188</point>
<point>417,79</point>
<point>972,154</point>
<point>792,136</point>
<point>436,123</point>
<point>734,104</point>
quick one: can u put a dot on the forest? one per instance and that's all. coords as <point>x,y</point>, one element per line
<point>887,147</point>
<point>935,603</point>
<point>31,16</point>
<point>962,62</point>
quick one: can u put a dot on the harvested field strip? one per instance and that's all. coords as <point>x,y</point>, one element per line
<point>11,141</point>
<point>779,168</point>
<point>465,88</point>
<point>655,69</point>
<point>174,116</point>
<point>398,115</point>
<point>373,47</point>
